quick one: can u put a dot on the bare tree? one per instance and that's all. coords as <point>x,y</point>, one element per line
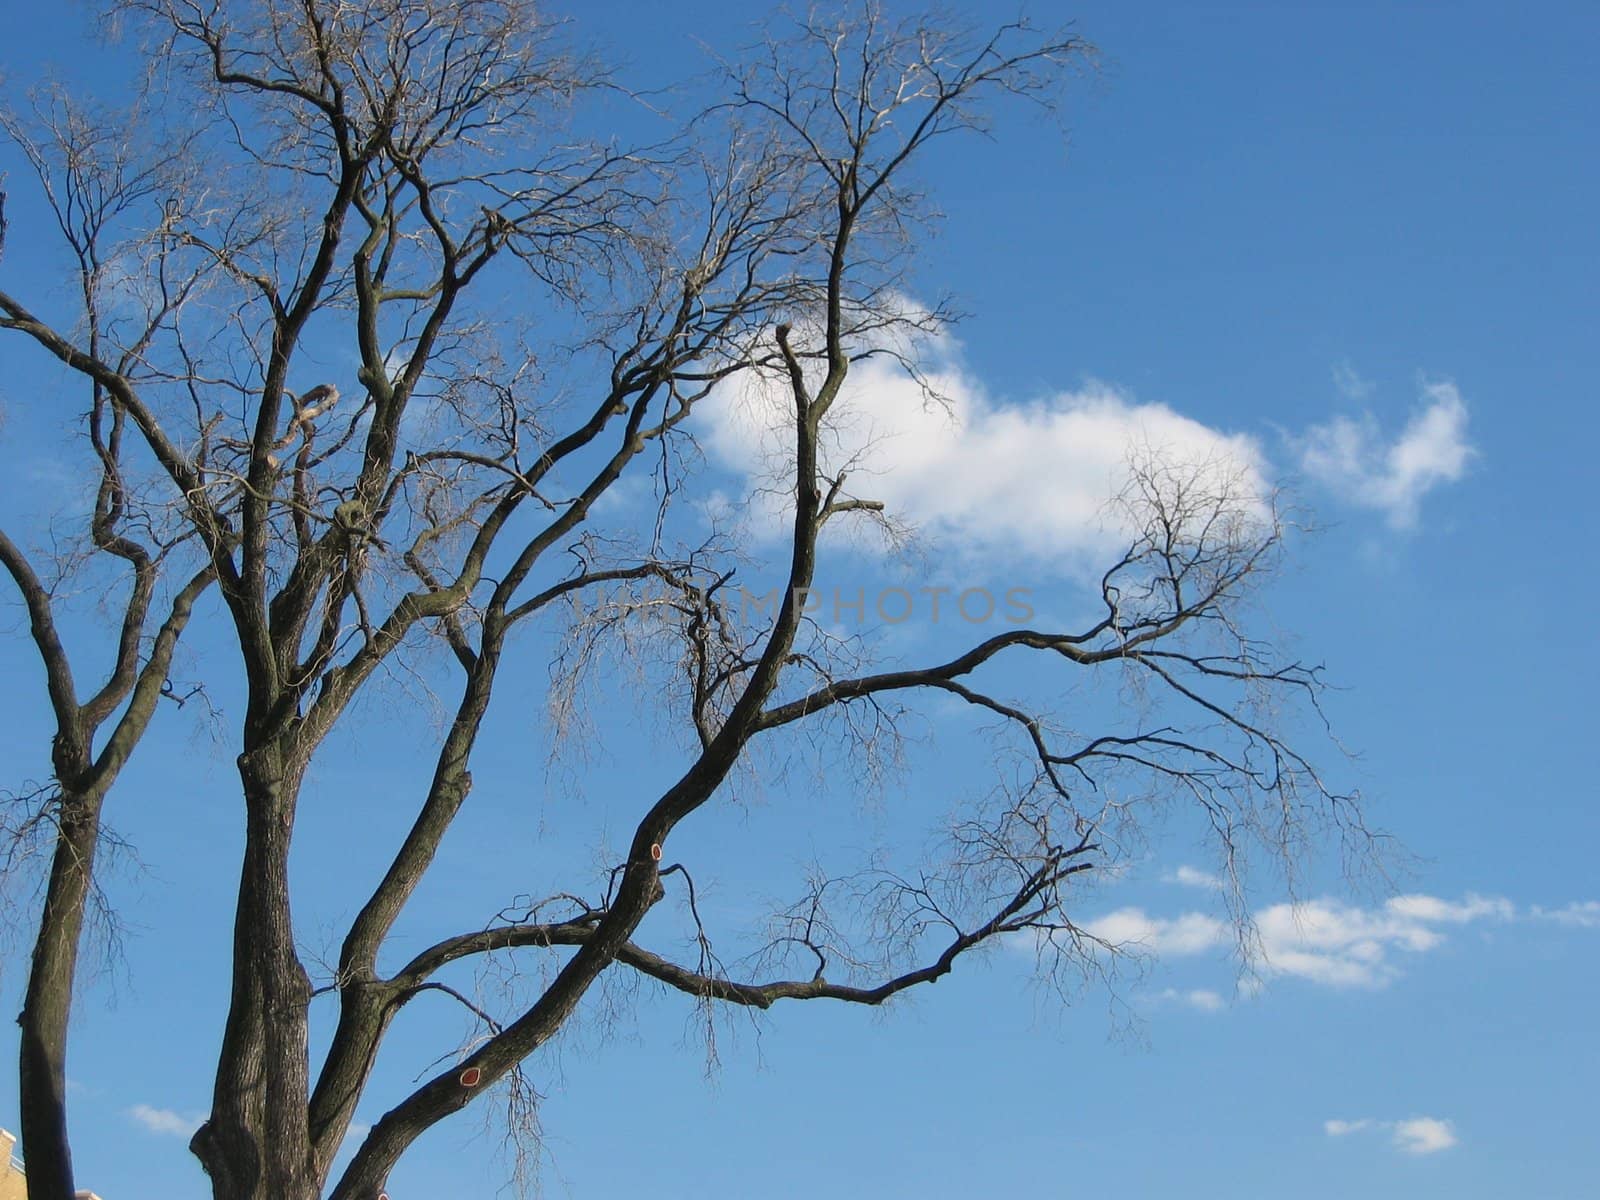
<point>389,181</point>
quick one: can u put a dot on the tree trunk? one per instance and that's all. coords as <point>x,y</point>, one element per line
<point>255,1145</point>
<point>48,1004</point>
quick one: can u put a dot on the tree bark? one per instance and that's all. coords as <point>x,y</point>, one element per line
<point>47,1007</point>
<point>255,1144</point>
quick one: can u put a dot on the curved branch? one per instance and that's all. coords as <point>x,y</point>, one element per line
<point>42,627</point>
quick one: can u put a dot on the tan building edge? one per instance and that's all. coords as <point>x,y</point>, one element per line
<point>13,1181</point>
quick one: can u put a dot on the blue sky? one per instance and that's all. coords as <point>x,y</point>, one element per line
<point>1353,242</point>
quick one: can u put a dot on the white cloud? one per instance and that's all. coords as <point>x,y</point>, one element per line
<point>1132,928</point>
<point>1431,908</point>
<point>1323,941</point>
<point>1424,1135</point>
<point>1203,999</point>
<point>1189,876</point>
<point>165,1120</point>
<point>1343,945</point>
<point>1415,1135</point>
<point>1340,1128</point>
<point>1326,941</point>
<point>1581,914</point>
<point>1352,458</point>
<point>1034,480</point>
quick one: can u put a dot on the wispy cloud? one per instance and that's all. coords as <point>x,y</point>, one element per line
<point>1343,945</point>
<point>1350,382</point>
<point>1188,876</point>
<point>1583,914</point>
<point>1203,999</point>
<point>1323,941</point>
<point>1414,1135</point>
<point>1340,1128</point>
<point>1457,912</point>
<point>165,1121</point>
<point>1352,458</point>
<point>1134,929</point>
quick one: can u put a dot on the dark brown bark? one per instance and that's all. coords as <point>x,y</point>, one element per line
<point>255,1144</point>
<point>48,1004</point>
